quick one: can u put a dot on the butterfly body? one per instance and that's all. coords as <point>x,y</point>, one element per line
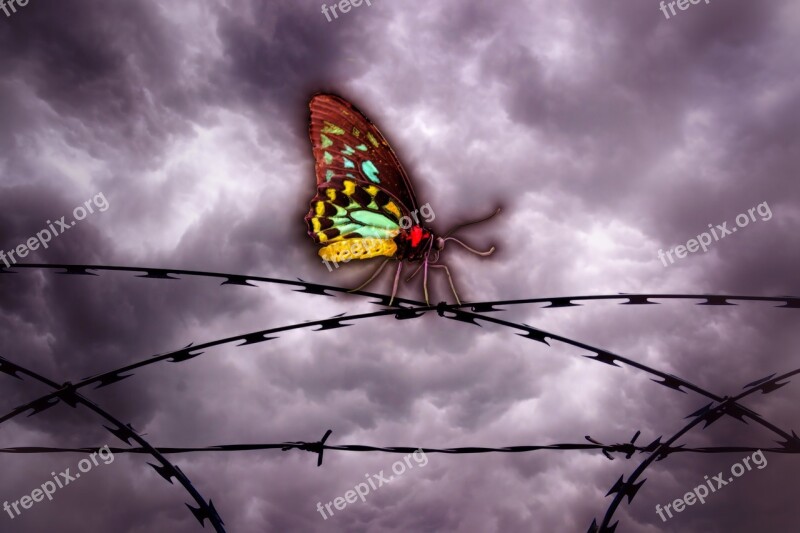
<point>413,244</point>
<point>365,205</point>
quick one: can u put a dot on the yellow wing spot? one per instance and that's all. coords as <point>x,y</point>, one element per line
<point>320,209</point>
<point>322,237</point>
<point>392,208</point>
<point>372,139</point>
<point>349,187</point>
<point>348,249</point>
<point>372,190</point>
<point>316,224</point>
<point>333,129</point>
<point>331,194</point>
<point>356,132</point>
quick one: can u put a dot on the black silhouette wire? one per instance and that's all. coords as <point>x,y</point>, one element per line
<point>708,414</point>
<point>458,314</point>
<point>124,432</point>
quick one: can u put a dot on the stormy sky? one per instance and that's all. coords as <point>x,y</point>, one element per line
<point>606,131</point>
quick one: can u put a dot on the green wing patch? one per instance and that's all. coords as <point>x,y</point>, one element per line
<point>347,209</point>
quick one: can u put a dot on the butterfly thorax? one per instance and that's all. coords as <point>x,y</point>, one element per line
<point>413,243</point>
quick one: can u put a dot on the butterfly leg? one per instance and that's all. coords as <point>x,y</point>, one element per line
<point>425,281</point>
<point>409,278</point>
<point>372,277</point>
<point>396,280</point>
<point>450,279</point>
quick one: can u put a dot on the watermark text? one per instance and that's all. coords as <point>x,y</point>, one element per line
<point>54,229</point>
<point>720,231</point>
<point>343,6</point>
<point>701,492</point>
<point>683,5</point>
<point>376,481</point>
<point>48,488</point>
<point>6,5</point>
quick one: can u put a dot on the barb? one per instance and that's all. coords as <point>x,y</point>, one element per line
<point>708,414</point>
<point>315,447</point>
<point>124,432</point>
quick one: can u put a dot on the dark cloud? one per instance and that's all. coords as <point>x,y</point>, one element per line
<point>606,132</point>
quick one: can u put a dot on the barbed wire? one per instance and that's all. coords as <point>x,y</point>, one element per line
<point>406,308</point>
<point>708,414</point>
<point>125,432</point>
<point>628,449</point>
<point>190,352</point>
<point>247,280</point>
<point>600,355</point>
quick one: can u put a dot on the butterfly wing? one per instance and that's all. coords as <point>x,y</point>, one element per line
<point>353,220</point>
<point>362,190</point>
<point>345,143</point>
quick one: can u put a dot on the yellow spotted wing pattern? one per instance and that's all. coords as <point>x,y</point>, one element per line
<point>353,221</point>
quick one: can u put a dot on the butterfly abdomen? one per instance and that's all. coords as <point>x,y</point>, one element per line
<point>349,249</point>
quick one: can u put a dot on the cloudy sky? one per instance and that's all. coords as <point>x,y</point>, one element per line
<point>605,130</point>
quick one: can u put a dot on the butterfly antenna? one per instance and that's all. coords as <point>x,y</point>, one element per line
<point>372,277</point>
<point>471,223</point>
<point>473,250</point>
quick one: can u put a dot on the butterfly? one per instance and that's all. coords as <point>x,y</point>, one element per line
<point>365,206</point>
